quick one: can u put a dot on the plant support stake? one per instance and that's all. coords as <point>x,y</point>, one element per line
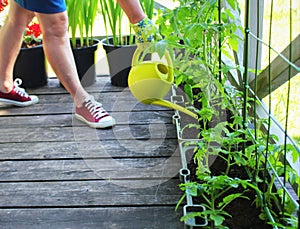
<point>298,214</point>
<point>246,86</point>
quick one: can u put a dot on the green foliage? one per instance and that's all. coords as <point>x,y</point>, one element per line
<point>198,37</point>
<point>148,7</point>
<point>82,16</point>
<point>214,190</point>
<point>196,25</point>
<point>112,16</point>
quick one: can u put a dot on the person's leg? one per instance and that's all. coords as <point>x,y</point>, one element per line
<point>56,43</point>
<point>58,51</point>
<point>11,35</point>
<point>57,48</point>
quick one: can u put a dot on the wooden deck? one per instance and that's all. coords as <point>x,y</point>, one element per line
<point>57,173</point>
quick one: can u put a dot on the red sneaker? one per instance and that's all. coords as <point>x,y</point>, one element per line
<point>93,114</point>
<point>18,96</point>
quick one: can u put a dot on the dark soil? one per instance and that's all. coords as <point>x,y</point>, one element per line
<point>244,213</point>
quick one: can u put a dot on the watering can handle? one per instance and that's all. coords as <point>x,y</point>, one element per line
<point>138,52</point>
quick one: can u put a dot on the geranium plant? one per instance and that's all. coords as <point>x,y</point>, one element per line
<point>32,35</point>
<point>3,11</point>
<point>3,4</point>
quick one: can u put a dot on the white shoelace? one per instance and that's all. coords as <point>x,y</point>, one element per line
<point>19,90</point>
<point>95,108</point>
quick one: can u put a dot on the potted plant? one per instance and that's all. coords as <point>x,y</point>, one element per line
<point>119,45</point>
<point>3,4</point>
<point>82,16</point>
<point>30,65</point>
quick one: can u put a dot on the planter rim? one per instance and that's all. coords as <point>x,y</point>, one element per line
<point>34,47</point>
<point>104,42</point>
<point>97,41</point>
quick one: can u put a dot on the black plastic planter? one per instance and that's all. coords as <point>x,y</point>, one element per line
<point>85,63</point>
<point>30,67</point>
<point>119,61</point>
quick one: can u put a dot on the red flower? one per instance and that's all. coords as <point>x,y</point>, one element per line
<point>3,4</point>
<point>32,35</point>
<point>33,29</point>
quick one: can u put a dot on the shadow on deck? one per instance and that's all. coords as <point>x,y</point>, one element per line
<point>57,173</point>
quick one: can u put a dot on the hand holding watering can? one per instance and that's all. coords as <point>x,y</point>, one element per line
<point>145,32</point>
<point>150,81</point>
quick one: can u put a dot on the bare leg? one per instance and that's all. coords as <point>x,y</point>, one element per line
<point>56,44</point>
<point>12,31</point>
<point>132,9</point>
<point>58,51</point>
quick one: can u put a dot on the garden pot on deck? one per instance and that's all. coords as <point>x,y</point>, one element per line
<point>119,61</point>
<point>85,62</point>
<point>30,67</point>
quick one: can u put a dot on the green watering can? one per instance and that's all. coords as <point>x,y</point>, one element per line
<point>150,81</point>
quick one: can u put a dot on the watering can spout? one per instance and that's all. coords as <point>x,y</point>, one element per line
<point>150,81</point>
<point>166,103</point>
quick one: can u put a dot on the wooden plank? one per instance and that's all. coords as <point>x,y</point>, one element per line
<point>87,149</point>
<point>122,118</point>
<point>100,217</point>
<point>57,173</point>
<point>50,103</point>
<point>279,70</point>
<point>109,97</point>
<point>68,108</point>
<point>53,86</point>
<point>87,193</point>
<point>85,133</point>
<point>87,169</point>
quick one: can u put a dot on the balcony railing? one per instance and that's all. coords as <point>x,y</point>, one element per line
<point>267,68</point>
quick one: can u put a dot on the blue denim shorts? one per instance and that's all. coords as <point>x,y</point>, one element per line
<point>43,6</point>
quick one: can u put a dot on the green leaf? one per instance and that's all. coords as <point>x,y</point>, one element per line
<point>232,3</point>
<point>234,43</point>
<point>160,48</point>
<point>180,201</point>
<point>188,91</point>
<point>228,199</point>
<point>218,219</point>
<point>191,190</point>
<point>295,154</point>
<point>195,189</point>
<point>240,160</point>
